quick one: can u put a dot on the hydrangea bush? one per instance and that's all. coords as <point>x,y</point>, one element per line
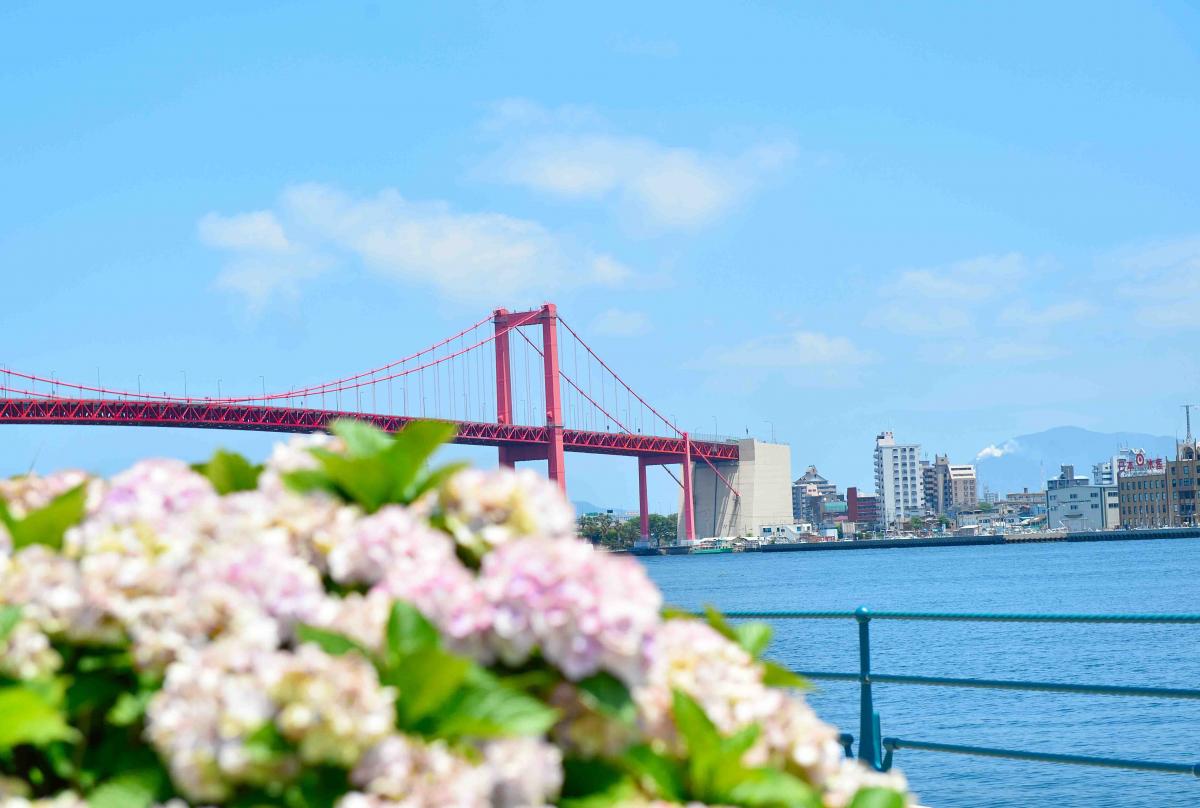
<point>344,627</point>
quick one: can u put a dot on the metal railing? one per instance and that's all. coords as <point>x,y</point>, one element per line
<point>877,751</point>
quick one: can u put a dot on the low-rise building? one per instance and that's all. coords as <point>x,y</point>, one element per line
<point>1144,499</point>
<point>1026,502</point>
<point>808,493</point>
<point>1075,504</point>
<point>1183,481</point>
<point>863,509</point>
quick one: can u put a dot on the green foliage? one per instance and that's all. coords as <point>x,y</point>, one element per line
<point>46,525</point>
<point>878,798</point>
<point>10,616</point>
<point>712,770</point>
<point>137,788</point>
<point>31,716</point>
<point>442,695</point>
<point>593,783</point>
<point>229,472</point>
<point>378,469</point>
<point>754,637</point>
<point>608,695</point>
<point>608,531</point>
<point>775,675</point>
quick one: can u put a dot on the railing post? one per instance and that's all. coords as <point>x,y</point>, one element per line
<point>869,749</point>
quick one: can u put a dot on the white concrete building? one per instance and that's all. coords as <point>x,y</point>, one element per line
<point>898,479</point>
<point>763,477</point>
<point>1075,504</point>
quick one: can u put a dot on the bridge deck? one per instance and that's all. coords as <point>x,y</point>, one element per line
<point>202,415</point>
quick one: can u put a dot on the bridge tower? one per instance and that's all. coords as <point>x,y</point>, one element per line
<point>504,322</point>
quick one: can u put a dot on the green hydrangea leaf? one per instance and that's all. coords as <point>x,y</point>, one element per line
<point>361,438</point>
<point>408,631</point>
<point>129,708</point>
<point>132,789</point>
<point>775,675</point>
<point>10,616</point>
<point>702,739</point>
<point>656,773</point>
<point>753,636</point>
<point>771,788</point>
<point>485,708</point>
<point>46,525</point>
<point>607,694</point>
<point>426,681</point>
<point>331,642</point>
<point>877,798</point>
<point>592,783</point>
<point>229,472</point>
<point>30,717</point>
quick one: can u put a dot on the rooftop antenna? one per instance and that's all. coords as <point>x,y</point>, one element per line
<point>1187,413</point>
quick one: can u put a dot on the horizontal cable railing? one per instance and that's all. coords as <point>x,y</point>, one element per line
<point>877,751</point>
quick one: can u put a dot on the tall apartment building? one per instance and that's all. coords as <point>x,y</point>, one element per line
<point>898,481</point>
<point>948,487</point>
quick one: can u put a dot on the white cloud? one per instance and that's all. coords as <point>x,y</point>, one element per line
<point>461,255</point>
<point>796,349</point>
<point>258,231</point>
<point>1026,316</point>
<point>1165,283</point>
<point>566,153</point>
<point>797,358</point>
<point>993,451</point>
<point>620,323</point>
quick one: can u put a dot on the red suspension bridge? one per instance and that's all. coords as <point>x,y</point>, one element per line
<point>485,379</point>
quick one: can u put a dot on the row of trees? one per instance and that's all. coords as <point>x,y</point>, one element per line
<point>609,531</point>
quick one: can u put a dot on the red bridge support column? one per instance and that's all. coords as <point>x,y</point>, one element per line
<point>503,380</point>
<point>643,499</point>
<point>689,503</point>
<point>554,417</point>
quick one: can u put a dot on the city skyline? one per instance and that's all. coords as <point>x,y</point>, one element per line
<point>822,249</point>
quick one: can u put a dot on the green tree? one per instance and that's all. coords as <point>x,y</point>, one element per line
<point>916,523</point>
<point>664,529</point>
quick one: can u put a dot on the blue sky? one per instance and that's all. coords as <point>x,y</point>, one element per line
<point>956,221</point>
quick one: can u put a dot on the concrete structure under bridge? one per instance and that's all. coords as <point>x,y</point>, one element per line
<point>757,490</point>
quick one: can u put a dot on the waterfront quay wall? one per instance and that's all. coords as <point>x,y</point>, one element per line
<point>974,541</point>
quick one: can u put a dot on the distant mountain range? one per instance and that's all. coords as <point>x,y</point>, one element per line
<point>1027,461</point>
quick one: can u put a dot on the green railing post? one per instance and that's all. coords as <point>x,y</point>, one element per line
<point>870,751</point>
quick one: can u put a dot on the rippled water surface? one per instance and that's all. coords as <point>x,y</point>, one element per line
<point>1152,576</point>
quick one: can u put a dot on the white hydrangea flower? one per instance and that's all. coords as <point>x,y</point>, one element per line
<point>692,657</point>
<point>403,773</point>
<point>392,541</point>
<point>851,776</point>
<point>332,708</point>
<point>486,509</point>
<point>51,594</point>
<point>213,701</point>
<point>586,611</point>
<point>525,772</point>
<point>32,492</point>
<point>295,455</point>
<point>26,653</point>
